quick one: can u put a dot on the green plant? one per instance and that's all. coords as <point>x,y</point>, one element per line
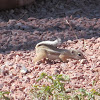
<point>54,89</point>
<point>3,97</point>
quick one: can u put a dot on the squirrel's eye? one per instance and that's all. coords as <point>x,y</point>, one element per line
<point>79,54</point>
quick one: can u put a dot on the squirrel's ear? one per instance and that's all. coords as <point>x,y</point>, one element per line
<point>72,51</point>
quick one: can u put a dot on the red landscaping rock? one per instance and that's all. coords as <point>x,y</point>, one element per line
<point>22,28</point>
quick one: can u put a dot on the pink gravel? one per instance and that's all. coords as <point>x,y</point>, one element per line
<point>19,37</point>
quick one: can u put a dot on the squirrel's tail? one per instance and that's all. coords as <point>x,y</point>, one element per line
<point>52,43</point>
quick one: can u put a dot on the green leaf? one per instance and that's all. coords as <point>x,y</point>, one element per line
<point>60,78</point>
<point>66,77</point>
<point>2,95</point>
<point>6,92</point>
<point>41,76</point>
<point>6,98</point>
<point>95,92</point>
<point>93,82</point>
<point>50,77</point>
<point>48,90</point>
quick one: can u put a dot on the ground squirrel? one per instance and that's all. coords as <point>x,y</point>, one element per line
<point>48,49</point>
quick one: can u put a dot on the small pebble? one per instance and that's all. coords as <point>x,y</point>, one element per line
<point>24,70</point>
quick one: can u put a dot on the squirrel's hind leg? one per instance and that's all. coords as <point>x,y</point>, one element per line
<point>40,56</point>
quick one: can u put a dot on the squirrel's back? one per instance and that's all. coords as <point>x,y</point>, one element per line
<point>54,43</point>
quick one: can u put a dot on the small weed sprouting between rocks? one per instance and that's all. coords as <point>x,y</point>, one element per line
<point>3,97</point>
<point>54,89</point>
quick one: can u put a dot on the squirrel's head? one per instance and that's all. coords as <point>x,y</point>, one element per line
<point>76,54</point>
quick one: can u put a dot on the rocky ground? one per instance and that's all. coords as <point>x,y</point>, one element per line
<point>76,23</point>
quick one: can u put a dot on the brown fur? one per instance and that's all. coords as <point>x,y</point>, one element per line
<point>53,53</point>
